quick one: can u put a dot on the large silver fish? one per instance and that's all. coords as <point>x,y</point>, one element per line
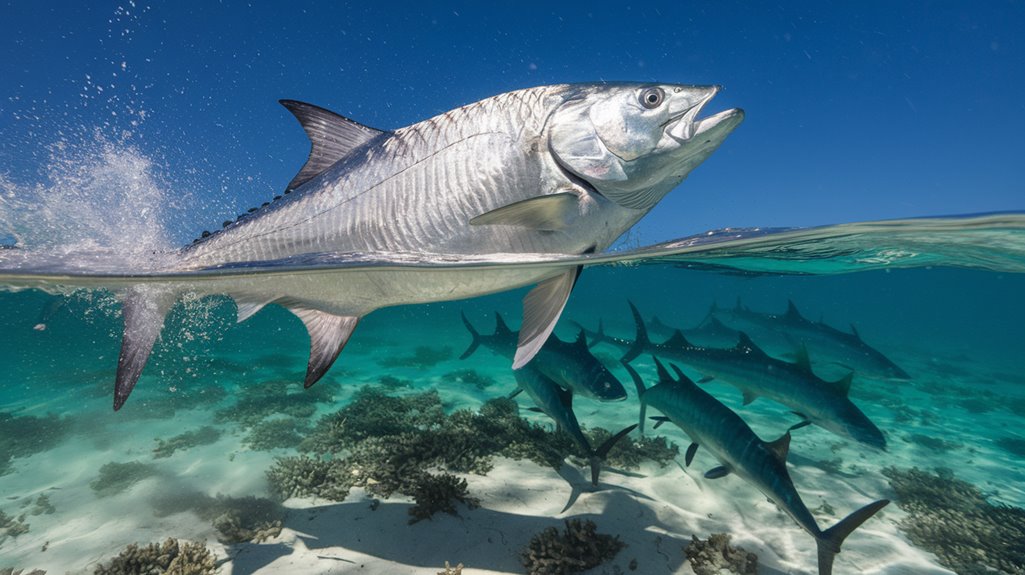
<point>560,169</point>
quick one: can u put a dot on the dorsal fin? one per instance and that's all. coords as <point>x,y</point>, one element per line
<point>792,313</point>
<point>744,343</point>
<point>581,341</point>
<point>663,374</point>
<point>332,138</point>
<point>501,328</point>
<point>781,447</point>
<point>801,358</point>
<point>677,340</point>
<point>854,332</point>
<point>843,385</point>
<point>682,377</point>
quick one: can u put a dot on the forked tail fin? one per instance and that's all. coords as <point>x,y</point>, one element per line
<point>639,384</point>
<point>641,342</point>
<point>599,455</point>
<point>474,334</point>
<point>831,539</point>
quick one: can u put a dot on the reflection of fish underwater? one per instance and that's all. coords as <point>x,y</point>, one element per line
<point>560,169</point>
<point>712,425</point>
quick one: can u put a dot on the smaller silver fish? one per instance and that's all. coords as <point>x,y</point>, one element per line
<point>717,428</point>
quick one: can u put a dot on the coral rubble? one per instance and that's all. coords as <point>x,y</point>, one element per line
<point>172,557</point>
<point>953,519</point>
<point>629,452</point>
<point>42,506</point>
<point>203,436</point>
<point>26,435</point>
<point>470,377</point>
<point>117,477</point>
<point>715,556</point>
<point>577,548</point>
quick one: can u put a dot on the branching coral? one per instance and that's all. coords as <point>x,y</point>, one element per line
<point>172,557</point>
<point>578,548</point>
<point>275,398</point>
<point>117,477</point>
<point>953,519</point>
<point>715,556</point>
<point>203,436</point>
<point>434,493</point>
<point>275,434</point>
<point>237,519</point>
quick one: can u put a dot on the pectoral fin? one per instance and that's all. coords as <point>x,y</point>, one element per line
<point>717,472</point>
<point>549,213</point>
<point>691,450</point>
<point>542,307</point>
<point>659,420</point>
<point>328,335</point>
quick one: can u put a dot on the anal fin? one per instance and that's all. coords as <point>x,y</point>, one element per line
<point>144,311</point>
<point>328,335</point>
<point>542,307</point>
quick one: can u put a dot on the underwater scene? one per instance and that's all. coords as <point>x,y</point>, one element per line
<point>410,457</point>
<point>502,288</point>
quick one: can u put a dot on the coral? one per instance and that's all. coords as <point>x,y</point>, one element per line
<point>237,519</point>
<point>628,453</point>
<point>257,402</point>
<point>953,519</point>
<point>1012,445</point>
<point>305,476</point>
<point>423,357</point>
<point>11,527</point>
<point>449,570</point>
<point>373,414</point>
<point>275,434</point>
<point>715,556</point>
<point>42,506</point>
<point>434,493</point>
<point>26,435</point>
<point>470,377</point>
<point>12,571</point>
<point>578,548</point>
<point>203,436</point>
<point>117,477</point>
<point>172,557</point>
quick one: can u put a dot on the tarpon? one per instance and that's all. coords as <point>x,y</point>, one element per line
<point>793,384</point>
<point>562,169</point>
<point>716,428</point>
<point>787,332</point>
<point>557,403</point>
<point>569,364</point>
<point>709,333</point>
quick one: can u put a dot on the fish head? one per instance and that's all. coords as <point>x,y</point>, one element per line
<point>634,142</point>
<point>605,385</point>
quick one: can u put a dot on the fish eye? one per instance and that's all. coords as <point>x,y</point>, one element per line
<point>652,97</point>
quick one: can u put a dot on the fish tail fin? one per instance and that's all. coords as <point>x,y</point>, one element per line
<point>474,334</point>
<point>831,539</point>
<point>143,309</point>
<point>599,455</point>
<point>639,384</point>
<point>641,342</point>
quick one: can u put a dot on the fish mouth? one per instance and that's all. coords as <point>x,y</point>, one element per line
<point>685,125</point>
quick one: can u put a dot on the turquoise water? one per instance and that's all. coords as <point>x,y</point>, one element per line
<point>957,332</point>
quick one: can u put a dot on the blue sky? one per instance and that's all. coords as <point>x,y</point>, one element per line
<point>855,111</point>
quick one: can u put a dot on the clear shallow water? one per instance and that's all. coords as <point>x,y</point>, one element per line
<point>955,325</point>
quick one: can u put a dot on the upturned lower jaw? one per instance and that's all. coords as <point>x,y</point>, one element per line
<point>684,127</point>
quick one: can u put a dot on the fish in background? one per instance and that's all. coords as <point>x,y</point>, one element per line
<point>718,429</point>
<point>756,374</point>
<point>557,403</point>
<point>569,364</point>
<point>782,334</point>
<point>709,333</point>
<point>553,170</point>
